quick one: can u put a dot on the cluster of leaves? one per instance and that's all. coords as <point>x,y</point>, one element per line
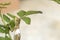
<point>6,28</point>
<point>23,14</point>
<point>58,1</point>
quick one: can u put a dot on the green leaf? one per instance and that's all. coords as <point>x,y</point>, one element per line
<point>58,1</point>
<point>24,13</point>
<point>12,16</point>
<point>27,20</point>
<point>32,12</point>
<point>21,13</point>
<point>12,24</point>
<point>7,29</point>
<point>6,18</point>
<point>2,28</point>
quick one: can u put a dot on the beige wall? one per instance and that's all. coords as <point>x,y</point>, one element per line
<point>43,26</point>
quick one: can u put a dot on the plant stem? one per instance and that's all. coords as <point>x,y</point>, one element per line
<point>2,16</point>
<point>17,22</point>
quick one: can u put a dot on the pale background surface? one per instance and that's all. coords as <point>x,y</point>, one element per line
<point>44,26</point>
